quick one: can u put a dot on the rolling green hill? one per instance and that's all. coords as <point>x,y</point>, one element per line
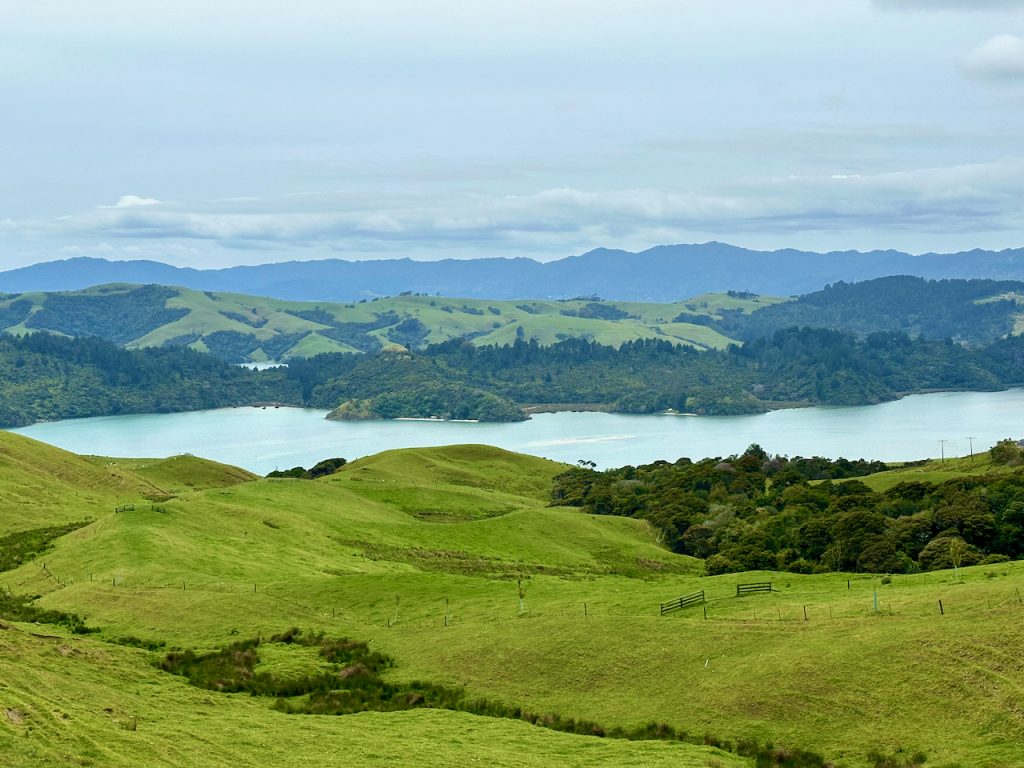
<point>247,328</point>
<point>241,328</point>
<point>422,553</point>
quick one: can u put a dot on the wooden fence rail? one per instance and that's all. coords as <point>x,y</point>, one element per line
<point>125,508</point>
<point>757,586</point>
<point>682,602</point>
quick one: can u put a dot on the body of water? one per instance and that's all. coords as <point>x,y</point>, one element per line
<point>278,438</point>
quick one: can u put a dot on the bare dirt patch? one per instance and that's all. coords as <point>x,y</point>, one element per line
<point>15,716</point>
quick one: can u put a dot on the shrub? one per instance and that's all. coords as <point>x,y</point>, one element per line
<point>993,559</point>
<point>718,564</point>
<point>1006,452</point>
<point>948,552</point>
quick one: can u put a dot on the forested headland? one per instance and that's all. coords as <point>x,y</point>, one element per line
<point>53,377</point>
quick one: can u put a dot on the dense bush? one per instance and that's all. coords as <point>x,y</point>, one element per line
<point>754,511</point>
<point>935,309</point>
<point>21,546</point>
<point>1007,452</point>
<point>320,469</point>
<point>117,315</point>
<point>54,377</point>
<point>22,608</point>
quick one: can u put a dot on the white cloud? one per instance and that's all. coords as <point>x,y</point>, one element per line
<point>998,58</point>
<point>132,201</point>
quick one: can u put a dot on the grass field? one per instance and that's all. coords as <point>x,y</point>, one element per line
<point>71,701</point>
<point>937,471</point>
<point>482,321</point>
<point>422,554</point>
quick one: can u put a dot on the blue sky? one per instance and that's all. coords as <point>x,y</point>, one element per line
<point>219,133</point>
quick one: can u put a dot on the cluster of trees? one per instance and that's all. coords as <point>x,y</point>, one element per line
<point>432,400</point>
<point>755,511</point>
<point>320,469</point>
<point>47,377</point>
<point>969,311</point>
<point>802,365</point>
<point>116,314</point>
<point>54,377</point>
<point>236,347</point>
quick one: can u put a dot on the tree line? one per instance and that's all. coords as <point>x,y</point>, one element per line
<point>754,511</point>
<point>50,377</point>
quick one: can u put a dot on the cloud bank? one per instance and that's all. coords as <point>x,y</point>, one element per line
<point>955,199</point>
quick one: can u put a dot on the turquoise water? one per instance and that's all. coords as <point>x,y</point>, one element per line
<point>277,438</point>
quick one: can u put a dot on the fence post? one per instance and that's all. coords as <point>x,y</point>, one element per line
<point>941,611</point>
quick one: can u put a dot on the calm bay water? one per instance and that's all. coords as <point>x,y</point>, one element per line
<point>278,438</point>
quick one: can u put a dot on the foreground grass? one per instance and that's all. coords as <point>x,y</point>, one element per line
<point>355,555</point>
<point>69,701</point>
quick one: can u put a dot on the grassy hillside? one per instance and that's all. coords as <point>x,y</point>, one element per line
<point>42,486</point>
<point>422,553</point>
<point>937,471</point>
<point>242,328</point>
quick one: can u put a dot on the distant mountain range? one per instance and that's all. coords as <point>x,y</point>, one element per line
<point>665,273</point>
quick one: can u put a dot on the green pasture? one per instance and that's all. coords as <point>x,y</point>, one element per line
<point>73,701</point>
<point>936,471</point>
<point>480,320</point>
<point>450,561</point>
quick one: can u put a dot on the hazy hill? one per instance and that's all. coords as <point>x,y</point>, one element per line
<point>664,274</point>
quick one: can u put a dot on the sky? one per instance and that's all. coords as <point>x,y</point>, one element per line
<point>210,134</point>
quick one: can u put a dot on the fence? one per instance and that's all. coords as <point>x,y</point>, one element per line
<point>682,602</point>
<point>755,586</point>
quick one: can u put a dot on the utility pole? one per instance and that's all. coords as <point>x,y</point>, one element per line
<point>970,440</point>
<point>942,449</point>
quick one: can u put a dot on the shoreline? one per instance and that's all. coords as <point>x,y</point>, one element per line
<point>532,409</point>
